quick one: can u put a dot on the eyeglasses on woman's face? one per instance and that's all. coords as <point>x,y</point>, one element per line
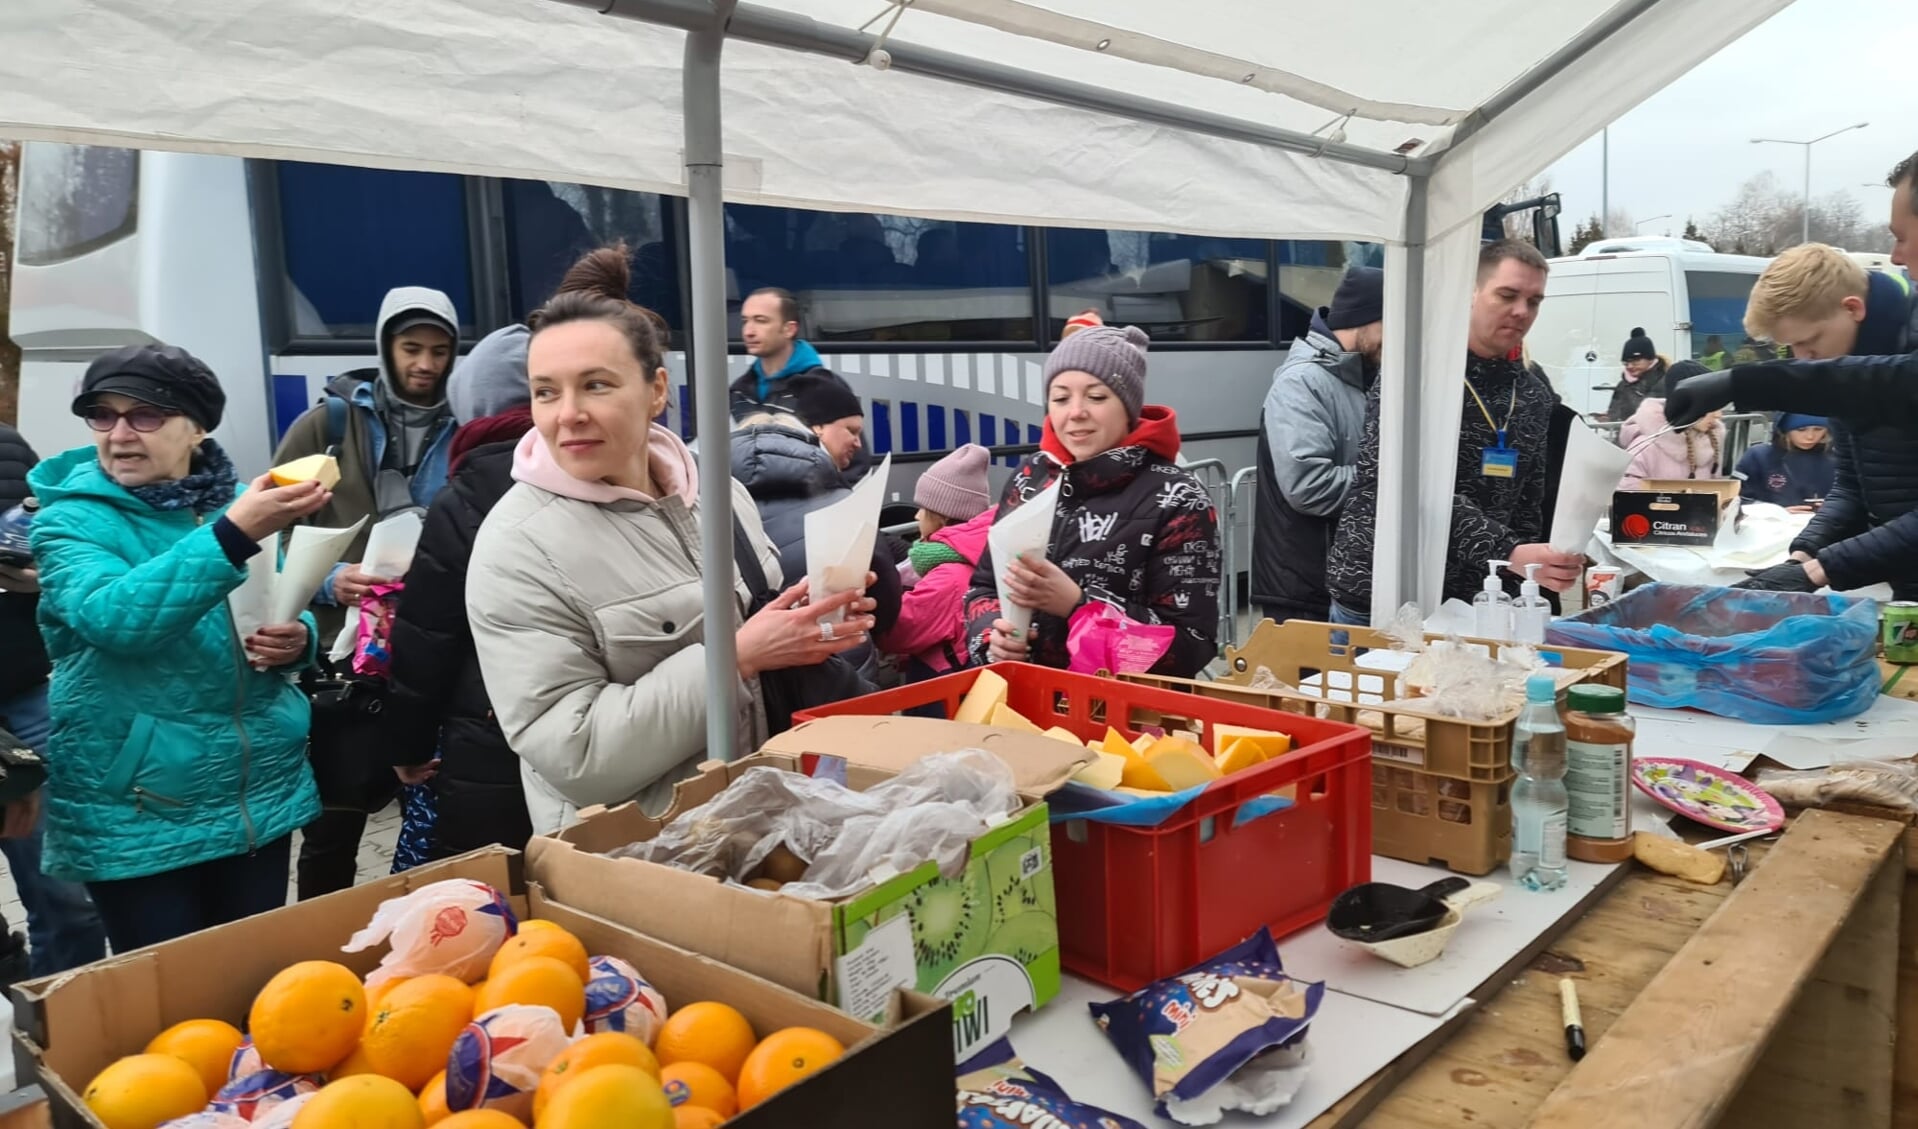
<point>144,419</point>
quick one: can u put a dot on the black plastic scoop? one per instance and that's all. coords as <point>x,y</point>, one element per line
<point>1380,911</point>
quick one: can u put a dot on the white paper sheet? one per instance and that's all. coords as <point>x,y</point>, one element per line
<point>253,599</point>
<point>310,554</point>
<point>1593,467</point>
<point>1025,532</point>
<point>390,546</point>
<point>839,539</point>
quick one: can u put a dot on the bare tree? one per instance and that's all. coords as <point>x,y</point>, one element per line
<point>1518,225</point>
<point>9,352</point>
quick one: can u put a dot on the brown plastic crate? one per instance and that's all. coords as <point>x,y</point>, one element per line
<point>1465,825</point>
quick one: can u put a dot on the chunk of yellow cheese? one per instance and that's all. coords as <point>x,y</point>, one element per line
<point>1181,763</point>
<point>987,694</point>
<point>1004,715</point>
<point>1060,733</point>
<point>1113,743</point>
<point>1106,772</point>
<point>1270,744</point>
<point>1239,755</point>
<point>324,469</point>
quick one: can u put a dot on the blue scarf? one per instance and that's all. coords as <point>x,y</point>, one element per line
<point>804,359</point>
<point>208,486</point>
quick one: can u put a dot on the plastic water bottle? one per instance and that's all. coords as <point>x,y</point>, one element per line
<point>14,524</point>
<point>1539,801</point>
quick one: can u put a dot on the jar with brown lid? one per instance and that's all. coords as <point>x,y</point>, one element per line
<point>1598,774</point>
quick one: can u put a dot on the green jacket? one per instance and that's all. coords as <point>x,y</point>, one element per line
<point>167,749</point>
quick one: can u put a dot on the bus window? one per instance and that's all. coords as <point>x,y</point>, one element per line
<point>1718,300</point>
<point>75,199</point>
<point>549,225</point>
<point>349,235</point>
<point>1175,287</point>
<point>1309,272</point>
<point>871,278</point>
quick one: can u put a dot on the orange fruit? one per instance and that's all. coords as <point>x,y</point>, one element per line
<point>145,1091</point>
<point>549,942</point>
<point>365,1101</point>
<point>537,982</point>
<point>433,1100</point>
<point>696,1117</point>
<point>355,1063</point>
<point>696,1084</point>
<point>309,1017</point>
<point>478,987</point>
<point>377,994</point>
<point>207,1045</point>
<point>534,925</point>
<point>482,1119</point>
<point>615,1096</point>
<point>782,1058</point>
<point>415,1027</point>
<point>594,1050</point>
<point>707,1032</point>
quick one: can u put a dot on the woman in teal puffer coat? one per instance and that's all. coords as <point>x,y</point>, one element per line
<point>177,765</point>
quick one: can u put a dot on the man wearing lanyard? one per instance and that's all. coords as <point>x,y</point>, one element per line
<point>1498,500</point>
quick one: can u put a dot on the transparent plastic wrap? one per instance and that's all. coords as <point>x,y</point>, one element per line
<point>1774,658</point>
<point>1892,785</point>
<point>452,927</point>
<point>931,811</point>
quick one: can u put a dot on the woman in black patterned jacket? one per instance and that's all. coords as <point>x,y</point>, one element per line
<point>1133,529</point>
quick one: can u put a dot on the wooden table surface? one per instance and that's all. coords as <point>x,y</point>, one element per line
<point>1497,1067</point>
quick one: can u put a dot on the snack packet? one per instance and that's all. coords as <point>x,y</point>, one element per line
<point>246,1060</point>
<point>1227,1034</point>
<point>1102,638</point>
<point>254,1096</point>
<point>997,1091</point>
<point>281,1116</point>
<point>497,1061</point>
<point>207,1119</point>
<point>452,928</point>
<point>618,998</point>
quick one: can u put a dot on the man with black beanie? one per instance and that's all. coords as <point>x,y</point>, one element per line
<point>1309,437</point>
<point>1641,379</point>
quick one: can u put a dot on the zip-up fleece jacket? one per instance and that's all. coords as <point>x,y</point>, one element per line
<point>168,749</point>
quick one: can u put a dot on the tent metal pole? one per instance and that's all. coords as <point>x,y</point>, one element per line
<point>707,252</point>
<point>1400,461</point>
<point>769,26</point>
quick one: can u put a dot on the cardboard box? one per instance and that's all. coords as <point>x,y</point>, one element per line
<point>68,1027</point>
<point>1685,512</point>
<point>997,954</point>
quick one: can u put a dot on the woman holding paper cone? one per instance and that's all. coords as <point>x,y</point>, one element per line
<point>1132,528</point>
<point>584,588</point>
<point>177,761</point>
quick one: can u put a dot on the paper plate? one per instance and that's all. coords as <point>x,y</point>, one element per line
<point>1707,794</point>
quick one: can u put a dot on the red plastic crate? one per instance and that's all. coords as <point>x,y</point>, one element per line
<point>1138,904</point>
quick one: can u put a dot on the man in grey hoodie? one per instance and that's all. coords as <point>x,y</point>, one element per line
<point>1309,447</point>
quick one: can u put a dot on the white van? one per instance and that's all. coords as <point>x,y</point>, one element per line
<point>1687,298</point>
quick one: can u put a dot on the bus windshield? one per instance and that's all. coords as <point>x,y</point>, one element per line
<point>1718,301</point>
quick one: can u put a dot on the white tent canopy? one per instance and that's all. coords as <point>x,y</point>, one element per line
<point>1203,116</point>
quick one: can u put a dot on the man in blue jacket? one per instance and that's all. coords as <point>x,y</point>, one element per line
<point>769,326</point>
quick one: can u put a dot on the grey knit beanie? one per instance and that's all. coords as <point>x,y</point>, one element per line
<point>491,378</point>
<point>1114,355</point>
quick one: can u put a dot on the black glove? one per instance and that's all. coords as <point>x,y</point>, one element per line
<point>1697,395</point>
<point>1787,577</point>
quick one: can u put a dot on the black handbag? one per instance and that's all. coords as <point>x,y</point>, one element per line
<point>22,772</point>
<point>346,744</point>
<point>786,692</point>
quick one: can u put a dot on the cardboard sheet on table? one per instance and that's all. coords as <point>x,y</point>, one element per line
<point>1351,1039</point>
<point>1888,729</point>
<point>1490,936</point>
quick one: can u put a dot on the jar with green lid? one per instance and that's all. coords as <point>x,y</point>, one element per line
<point>1598,774</point>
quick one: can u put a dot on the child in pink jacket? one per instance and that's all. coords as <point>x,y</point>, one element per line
<point>1692,452</point>
<point>955,511</point>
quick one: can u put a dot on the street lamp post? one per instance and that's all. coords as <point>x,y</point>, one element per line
<point>1806,236</point>
<point>1641,223</point>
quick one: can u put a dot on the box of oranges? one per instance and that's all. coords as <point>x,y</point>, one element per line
<point>468,1000</point>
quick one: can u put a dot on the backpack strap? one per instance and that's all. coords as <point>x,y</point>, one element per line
<point>335,422</point>
<point>750,570</point>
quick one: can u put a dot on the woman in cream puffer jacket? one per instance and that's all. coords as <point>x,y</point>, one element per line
<point>584,590</point>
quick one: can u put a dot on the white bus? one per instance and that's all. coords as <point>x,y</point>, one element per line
<point>273,272</point>
<point>1687,298</point>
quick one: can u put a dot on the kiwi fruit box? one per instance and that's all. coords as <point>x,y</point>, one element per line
<point>987,940</point>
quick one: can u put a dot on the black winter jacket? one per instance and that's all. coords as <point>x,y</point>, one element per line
<point>1866,532</point>
<point>1490,516</point>
<point>23,656</point>
<point>1133,528</point>
<point>438,699</point>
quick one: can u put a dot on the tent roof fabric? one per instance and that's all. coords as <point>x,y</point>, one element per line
<point>542,89</point>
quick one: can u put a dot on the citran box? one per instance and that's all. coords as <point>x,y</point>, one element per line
<point>1138,904</point>
<point>68,1027</point>
<point>988,940</point>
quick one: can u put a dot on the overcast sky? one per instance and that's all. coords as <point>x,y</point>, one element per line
<point>1817,66</point>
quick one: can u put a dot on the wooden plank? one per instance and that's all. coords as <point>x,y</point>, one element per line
<point>1512,1053</point>
<point>1904,1098</point>
<point>1831,1061</point>
<point>1679,1054</point>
